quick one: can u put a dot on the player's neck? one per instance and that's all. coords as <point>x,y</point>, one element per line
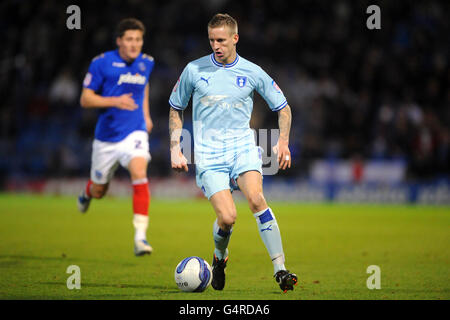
<point>125,57</point>
<point>229,60</point>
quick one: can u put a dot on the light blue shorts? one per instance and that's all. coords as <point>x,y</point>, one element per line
<point>217,177</point>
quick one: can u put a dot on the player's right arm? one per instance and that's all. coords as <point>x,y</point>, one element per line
<point>90,99</point>
<point>178,160</point>
<point>179,98</point>
<point>93,83</point>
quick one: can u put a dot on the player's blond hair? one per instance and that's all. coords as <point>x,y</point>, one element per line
<point>223,19</point>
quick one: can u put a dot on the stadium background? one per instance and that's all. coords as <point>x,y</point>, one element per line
<point>370,125</point>
<point>370,107</point>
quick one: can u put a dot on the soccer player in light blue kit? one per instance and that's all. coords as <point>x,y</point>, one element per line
<point>221,85</point>
<point>117,84</point>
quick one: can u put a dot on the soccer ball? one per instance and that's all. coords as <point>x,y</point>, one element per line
<point>193,274</point>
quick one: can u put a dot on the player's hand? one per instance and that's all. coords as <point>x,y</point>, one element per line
<point>149,124</point>
<point>283,154</point>
<point>179,161</point>
<point>126,102</point>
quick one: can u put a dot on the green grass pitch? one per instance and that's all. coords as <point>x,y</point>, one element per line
<point>329,246</point>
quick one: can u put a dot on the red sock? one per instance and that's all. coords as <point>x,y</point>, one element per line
<point>87,192</point>
<point>141,198</point>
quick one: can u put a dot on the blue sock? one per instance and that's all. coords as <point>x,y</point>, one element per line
<point>270,234</point>
<point>221,239</point>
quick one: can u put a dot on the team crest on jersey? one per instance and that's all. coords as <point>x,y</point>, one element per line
<point>141,66</point>
<point>241,81</point>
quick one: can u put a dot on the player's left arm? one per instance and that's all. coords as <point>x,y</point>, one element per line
<point>146,107</point>
<point>276,100</point>
<point>284,123</point>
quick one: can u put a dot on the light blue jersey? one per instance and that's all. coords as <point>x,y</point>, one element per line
<point>222,99</point>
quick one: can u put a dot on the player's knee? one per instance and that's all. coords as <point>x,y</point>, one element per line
<point>138,174</point>
<point>256,201</point>
<point>138,168</point>
<point>227,220</point>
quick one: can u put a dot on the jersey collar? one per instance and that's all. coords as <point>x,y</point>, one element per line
<point>128,63</point>
<point>229,65</point>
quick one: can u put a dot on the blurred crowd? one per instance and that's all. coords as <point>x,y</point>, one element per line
<point>355,93</point>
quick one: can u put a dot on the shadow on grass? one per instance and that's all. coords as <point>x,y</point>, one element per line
<point>62,257</point>
<point>18,257</point>
<point>118,286</point>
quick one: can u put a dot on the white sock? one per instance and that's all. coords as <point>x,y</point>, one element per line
<point>270,234</point>
<point>140,223</point>
<point>221,239</point>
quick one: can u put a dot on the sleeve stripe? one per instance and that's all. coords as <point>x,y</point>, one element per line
<point>174,106</point>
<point>284,104</point>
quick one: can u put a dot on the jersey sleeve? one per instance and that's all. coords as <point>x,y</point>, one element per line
<point>182,91</point>
<point>94,77</point>
<point>270,91</point>
<point>150,61</point>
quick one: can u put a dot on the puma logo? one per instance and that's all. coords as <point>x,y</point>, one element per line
<point>206,80</point>
<point>269,228</point>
